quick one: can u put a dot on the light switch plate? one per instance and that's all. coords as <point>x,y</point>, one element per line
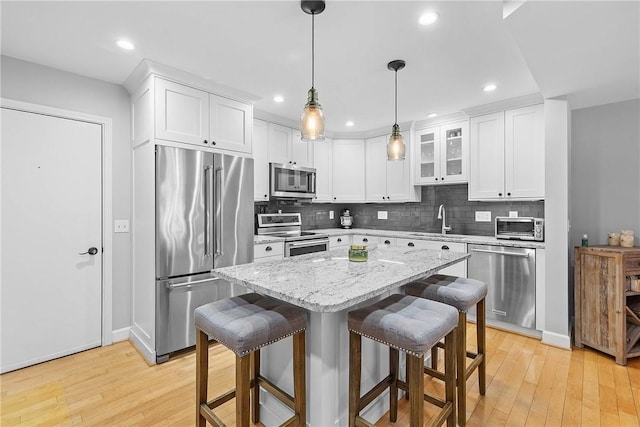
<point>383,215</point>
<point>483,216</point>
<point>513,214</point>
<point>121,226</point>
<point>330,214</point>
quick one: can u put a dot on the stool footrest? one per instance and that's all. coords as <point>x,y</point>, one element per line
<point>277,392</point>
<point>442,416</point>
<point>432,372</point>
<point>427,397</point>
<point>223,398</point>
<point>375,391</point>
<point>477,361</point>
<point>212,418</point>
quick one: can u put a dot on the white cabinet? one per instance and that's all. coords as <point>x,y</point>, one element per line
<point>192,116</point>
<point>263,252</point>
<point>348,170</point>
<point>386,180</point>
<point>459,269</point>
<point>507,155</point>
<point>286,147</point>
<point>322,152</point>
<point>442,154</point>
<point>339,241</point>
<point>260,161</point>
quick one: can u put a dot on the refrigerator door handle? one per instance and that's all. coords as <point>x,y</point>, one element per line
<point>220,210</point>
<point>208,186</point>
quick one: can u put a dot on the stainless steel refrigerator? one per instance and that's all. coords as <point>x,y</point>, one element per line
<point>204,220</point>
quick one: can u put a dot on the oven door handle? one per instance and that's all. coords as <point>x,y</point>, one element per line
<point>306,243</point>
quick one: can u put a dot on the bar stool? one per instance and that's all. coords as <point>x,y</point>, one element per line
<point>412,325</point>
<point>462,294</point>
<point>244,324</point>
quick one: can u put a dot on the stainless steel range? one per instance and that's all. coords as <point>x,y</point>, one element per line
<point>289,226</point>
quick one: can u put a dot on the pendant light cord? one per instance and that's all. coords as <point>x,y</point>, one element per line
<point>313,66</point>
<point>396,96</point>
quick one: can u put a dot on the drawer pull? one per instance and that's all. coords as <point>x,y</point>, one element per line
<point>411,244</point>
<point>339,239</point>
<point>365,240</point>
<point>268,248</point>
<point>386,242</point>
<point>445,247</point>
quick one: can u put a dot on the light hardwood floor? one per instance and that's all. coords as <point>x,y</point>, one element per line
<point>528,384</point>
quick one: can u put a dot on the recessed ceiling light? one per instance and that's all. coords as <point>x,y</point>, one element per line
<point>490,87</point>
<point>278,98</point>
<point>428,18</point>
<point>125,44</point>
<point>432,115</point>
<point>349,123</point>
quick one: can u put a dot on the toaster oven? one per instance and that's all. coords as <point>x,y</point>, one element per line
<point>520,228</point>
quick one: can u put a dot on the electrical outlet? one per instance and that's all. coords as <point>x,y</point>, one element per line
<point>513,214</point>
<point>383,215</point>
<point>483,216</point>
<point>330,214</point>
<point>121,226</point>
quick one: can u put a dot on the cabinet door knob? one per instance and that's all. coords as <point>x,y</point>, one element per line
<point>206,142</point>
<point>436,179</point>
<point>508,194</point>
<point>445,247</point>
<point>268,248</point>
<point>334,198</point>
<point>339,239</point>
<point>213,142</point>
<point>500,194</point>
<point>442,179</point>
<point>265,195</point>
<point>386,242</point>
<point>411,244</point>
<point>295,163</point>
<point>365,240</point>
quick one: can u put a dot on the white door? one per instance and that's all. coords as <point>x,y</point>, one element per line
<point>50,213</point>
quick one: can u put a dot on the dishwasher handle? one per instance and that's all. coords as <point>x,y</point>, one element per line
<point>487,251</point>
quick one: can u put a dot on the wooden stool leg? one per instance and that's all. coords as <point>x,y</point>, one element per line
<point>202,374</point>
<point>255,390</point>
<point>450,358</point>
<point>394,356</point>
<point>299,378</point>
<point>461,360</point>
<point>415,379</point>
<point>242,390</point>
<point>355,354</point>
<point>434,357</point>
<point>482,342</point>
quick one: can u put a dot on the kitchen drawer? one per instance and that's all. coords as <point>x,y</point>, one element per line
<point>268,250</point>
<point>632,265</point>
<point>339,241</point>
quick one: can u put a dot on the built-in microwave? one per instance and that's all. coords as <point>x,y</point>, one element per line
<point>520,228</point>
<point>291,181</point>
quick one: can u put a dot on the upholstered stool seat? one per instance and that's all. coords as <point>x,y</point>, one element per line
<point>463,294</point>
<point>244,324</point>
<point>412,325</point>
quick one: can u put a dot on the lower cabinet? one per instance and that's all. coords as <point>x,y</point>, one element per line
<point>263,252</point>
<point>458,269</point>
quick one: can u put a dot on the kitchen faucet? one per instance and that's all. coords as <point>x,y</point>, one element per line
<point>443,216</point>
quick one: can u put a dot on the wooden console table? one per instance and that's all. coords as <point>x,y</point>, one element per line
<point>607,314</point>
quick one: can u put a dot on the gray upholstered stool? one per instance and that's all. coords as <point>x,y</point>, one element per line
<point>244,324</point>
<point>412,325</point>
<point>462,294</point>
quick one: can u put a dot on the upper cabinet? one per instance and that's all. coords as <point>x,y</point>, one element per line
<point>507,155</point>
<point>286,147</point>
<point>348,160</point>
<point>442,154</point>
<point>260,161</point>
<point>322,153</point>
<point>386,180</point>
<point>192,116</point>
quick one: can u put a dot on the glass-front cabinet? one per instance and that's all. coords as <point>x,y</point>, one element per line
<point>443,154</point>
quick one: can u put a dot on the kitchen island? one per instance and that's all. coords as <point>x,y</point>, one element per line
<point>329,286</point>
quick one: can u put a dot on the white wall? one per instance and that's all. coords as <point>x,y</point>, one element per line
<point>36,84</point>
<point>605,171</point>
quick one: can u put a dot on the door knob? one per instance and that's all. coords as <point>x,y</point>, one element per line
<point>90,251</point>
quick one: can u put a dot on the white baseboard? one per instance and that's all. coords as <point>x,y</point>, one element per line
<point>120,334</point>
<point>556,340</point>
<point>147,353</point>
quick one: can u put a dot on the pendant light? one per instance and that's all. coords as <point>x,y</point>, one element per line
<point>312,120</point>
<point>395,147</point>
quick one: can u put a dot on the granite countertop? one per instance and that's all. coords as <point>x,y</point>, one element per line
<point>461,238</point>
<point>329,282</point>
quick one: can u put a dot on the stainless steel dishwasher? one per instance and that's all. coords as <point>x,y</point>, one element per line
<point>510,275</point>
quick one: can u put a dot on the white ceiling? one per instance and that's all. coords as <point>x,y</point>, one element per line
<point>588,51</point>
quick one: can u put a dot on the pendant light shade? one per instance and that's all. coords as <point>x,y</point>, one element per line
<point>312,119</point>
<point>396,147</point>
